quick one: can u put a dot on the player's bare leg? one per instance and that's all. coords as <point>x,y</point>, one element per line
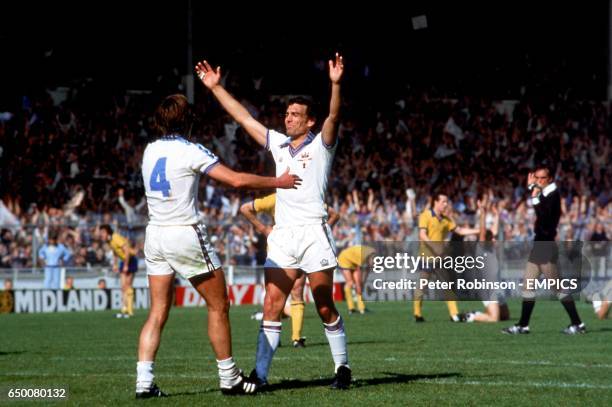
<point>348,290</point>
<point>279,283</point>
<point>358,278</point>
<point>213,289</point>
<point>601,301</point>
<point>297,294</point>
<point>160,289</point>
<point>297,311</point>
<point>322,286</point>
<point>603,309</point>
<point>127,291</point>
<point>419,294</point>
<point>495,312</point>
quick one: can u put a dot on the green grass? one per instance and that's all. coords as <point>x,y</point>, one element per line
<point>394,360</point>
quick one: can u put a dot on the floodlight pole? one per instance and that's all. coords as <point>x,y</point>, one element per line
<point>609,49</point>
<point>189,72</point>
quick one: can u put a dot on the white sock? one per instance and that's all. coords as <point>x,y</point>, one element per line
<point>337,342</point>
<point>145,376</point>
<point>597,305</point>
<point>472,315</point>
<point>267,342</point>
<point>229,374</point>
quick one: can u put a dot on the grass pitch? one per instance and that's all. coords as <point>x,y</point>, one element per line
<point>394,360</point>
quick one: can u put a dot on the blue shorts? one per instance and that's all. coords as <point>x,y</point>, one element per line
<point>132,265</point>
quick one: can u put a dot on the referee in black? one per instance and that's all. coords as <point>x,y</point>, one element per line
<point>544,254</point>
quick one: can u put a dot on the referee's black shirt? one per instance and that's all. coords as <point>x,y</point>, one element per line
<point>548,211</point>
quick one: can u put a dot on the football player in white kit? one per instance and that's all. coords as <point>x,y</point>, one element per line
<point>301,240</point>
<point>176,242</point>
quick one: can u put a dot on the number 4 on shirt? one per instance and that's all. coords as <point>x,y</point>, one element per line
<point>158,181</point>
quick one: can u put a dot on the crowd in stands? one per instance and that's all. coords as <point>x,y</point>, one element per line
<point>73,165</point>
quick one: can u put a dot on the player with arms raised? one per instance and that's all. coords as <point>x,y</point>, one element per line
<point>176,242</point>
<point>301,240</point>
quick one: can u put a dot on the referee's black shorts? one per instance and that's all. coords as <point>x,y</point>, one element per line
<point>544,252</point>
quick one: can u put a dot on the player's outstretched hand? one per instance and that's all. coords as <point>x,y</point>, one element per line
<point>336,68</point>
<point>209,77</point>
<point>288,181</point>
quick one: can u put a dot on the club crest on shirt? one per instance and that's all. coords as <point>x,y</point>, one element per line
<point>305,158</point>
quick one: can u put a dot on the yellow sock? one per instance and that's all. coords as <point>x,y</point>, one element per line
<point>129,300</point>
<point>452,308</point>
<point>418,308</point>
<point>360,304</point>
<point>297,319</point>
<point>348,296</point>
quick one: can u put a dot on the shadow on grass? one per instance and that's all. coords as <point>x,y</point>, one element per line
<point>600,330</point>
<point>16,352</point>
<point>392,378</point>
<point>351,343</point>
<point>193,393</point>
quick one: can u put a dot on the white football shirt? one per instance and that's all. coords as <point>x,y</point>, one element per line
<point>311,161</point>
<point>171,168</point>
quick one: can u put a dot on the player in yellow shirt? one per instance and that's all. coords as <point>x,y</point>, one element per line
<point>267,205</point>
<point>351,261</point>
<point>434,227</point>
<point>125,263</point>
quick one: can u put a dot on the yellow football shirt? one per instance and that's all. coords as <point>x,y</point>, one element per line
<point>265,204</point>
<point>437,228</point>
<point>117,243</point>
<point>354,257</point>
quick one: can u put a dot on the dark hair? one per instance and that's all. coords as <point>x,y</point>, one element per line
<point>436,195</point>
<point>544,165</point>
<point>173,115</point>
<point>306,101</point>
<point>108,229</point>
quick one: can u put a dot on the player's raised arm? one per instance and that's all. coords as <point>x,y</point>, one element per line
<point>248,211</point>
<point>330,125</point>
<point>245,180</point>
<point>210,78</point>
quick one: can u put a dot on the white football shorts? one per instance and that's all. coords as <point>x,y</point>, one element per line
<point>184,249</point>
<point>308,247</point>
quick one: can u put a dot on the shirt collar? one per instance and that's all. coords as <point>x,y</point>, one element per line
<point>308,140</point>
<point>294,151</point>
<point>433,213</point>
<point>549,189</point>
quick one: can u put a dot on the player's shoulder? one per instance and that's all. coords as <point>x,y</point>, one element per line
<point>425,214</point>
<point>117,238</point>
<point>171,143</point>
<point>275,139</point>
<point>270,198</point>
<point>276,134</point>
